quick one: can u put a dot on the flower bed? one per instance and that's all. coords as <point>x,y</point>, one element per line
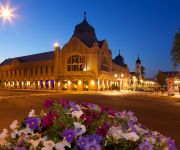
<point>85,126</point>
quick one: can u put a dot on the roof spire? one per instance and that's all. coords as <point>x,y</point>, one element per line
<point>119,51</point>
<point>84,14</point>
<point>138,60</point>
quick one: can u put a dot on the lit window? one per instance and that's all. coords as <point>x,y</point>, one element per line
<point>76,63</point>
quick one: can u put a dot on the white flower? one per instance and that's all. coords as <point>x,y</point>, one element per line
<point>62,145</point>
<point>151,140</point>
<point>79,128</point>
<point>116,132</point>
<point>34,143</point>
<point>31,113</point>
<point>48,145</point>
<point>3,134</point>
<point>26,131</point>
<point>77,114</point>
<point>14,125</point>
<point>14,133</point>
<point>43,139</point>
<point>131,136</point>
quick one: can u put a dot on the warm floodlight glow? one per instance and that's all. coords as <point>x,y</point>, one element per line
<point>122,75</point>
<point>7,12</point>
<point>92,82</point>
<point>80,82</point>
<point>69,82</point>
<point>56,44</point>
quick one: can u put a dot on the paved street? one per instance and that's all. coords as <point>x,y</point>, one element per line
<point>156,112</point>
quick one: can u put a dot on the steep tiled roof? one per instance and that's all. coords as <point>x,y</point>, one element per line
<point>30,58</point>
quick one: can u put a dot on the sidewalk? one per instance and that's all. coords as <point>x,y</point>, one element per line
<point>165,94</point>
<point>114,92</point>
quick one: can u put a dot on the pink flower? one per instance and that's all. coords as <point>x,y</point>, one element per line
<point>103,129</point>
<point>48,103</point>
<point>48,120</point>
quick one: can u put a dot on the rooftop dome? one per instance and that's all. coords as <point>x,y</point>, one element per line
<point>85,32</point>
<point>119,60</point>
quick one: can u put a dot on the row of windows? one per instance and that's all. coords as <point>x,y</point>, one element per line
<point>32,71</point>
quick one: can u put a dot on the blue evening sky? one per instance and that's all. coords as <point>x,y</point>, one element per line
<point>146,27</point>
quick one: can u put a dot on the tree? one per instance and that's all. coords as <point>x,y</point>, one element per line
<point>175,52</point>
<point>143,71</point>
<point>161,78</point>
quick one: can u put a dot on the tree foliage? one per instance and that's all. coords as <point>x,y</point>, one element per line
<point>161,78</point>
<point>175,52</point>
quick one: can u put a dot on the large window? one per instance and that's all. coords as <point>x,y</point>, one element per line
<point>76,63</point>
<point>105,64</point>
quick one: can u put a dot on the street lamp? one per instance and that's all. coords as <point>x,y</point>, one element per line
<point>134,82</point>
<point>122,75</point>
<point>56,44</point>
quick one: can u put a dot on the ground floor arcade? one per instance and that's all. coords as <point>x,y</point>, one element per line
<point>64,84</point>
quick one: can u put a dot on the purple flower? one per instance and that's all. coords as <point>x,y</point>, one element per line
<point>92,146</point>
<point>121,114</point>
<point>95,137</point>
<point>171,144</point>
<point>130,114</point>
<point>145,146</point>
<point>111,112</point>
<point>48,103</point>
<point>32,122</point>
<point>74,106</point>
<point>69,134</point>
<point>82,142</point>
<point>85,104</point>
<point>64,103</point>
<point>20,148</point>
<point>131,123</point>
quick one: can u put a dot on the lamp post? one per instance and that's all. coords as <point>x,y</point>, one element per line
<point>122,75</point>
<point>119,77</point>
<point>115,76</point>
<point>134,82</point>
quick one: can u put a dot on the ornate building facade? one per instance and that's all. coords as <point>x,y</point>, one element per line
<point>84,63</point>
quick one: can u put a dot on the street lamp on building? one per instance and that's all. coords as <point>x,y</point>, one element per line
<point>56,44</point>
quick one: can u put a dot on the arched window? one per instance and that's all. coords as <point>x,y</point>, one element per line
<point>76,63</point>
<point>105,65</point>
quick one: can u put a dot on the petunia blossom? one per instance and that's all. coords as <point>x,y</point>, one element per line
<point>77,114</point>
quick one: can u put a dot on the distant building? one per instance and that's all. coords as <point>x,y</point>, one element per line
<point>138,68</point>
<point>84,63</point>
<point>172,78</point>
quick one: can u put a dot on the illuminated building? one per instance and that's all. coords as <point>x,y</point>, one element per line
<point>84,63</point>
